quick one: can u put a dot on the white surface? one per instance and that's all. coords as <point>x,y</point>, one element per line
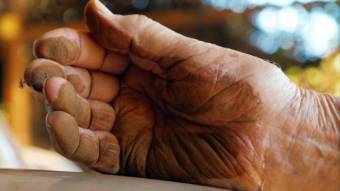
<point>9,158</point>
<point>41,159</point>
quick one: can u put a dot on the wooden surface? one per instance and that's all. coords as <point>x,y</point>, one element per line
<point>20,180</point>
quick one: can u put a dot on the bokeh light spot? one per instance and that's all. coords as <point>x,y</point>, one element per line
<point>140,4</point>
<point>9,26</point>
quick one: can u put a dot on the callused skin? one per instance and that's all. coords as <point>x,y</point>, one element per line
<point>185,110</point>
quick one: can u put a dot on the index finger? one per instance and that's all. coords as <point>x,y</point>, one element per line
<point>77,48</point>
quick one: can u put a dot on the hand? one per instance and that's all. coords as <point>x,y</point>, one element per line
<point>135,98</point>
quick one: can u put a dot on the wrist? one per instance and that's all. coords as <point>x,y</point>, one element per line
<point>305,147</point>
<point>317,115</point>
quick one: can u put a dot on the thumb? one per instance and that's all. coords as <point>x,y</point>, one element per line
<point>152,45</point>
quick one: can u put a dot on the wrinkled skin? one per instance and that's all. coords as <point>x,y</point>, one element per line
<point>190,111</point>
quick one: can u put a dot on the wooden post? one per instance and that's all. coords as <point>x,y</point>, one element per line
<point>17,100</point>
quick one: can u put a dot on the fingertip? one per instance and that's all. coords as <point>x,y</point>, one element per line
<point>40,70</point>
<point>109,153</point>
<point>61,96</point>
<point>88,149</point>
<point>97,6</point>
<point>106,27</point>
<point>61,45</point>
<point>27,74</point>
<point>51,118</point>
<point>52,88</point>
<point>55,117</point>
<point>64,132</point>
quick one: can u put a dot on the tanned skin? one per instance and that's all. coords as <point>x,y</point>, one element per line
<point>132,97</point>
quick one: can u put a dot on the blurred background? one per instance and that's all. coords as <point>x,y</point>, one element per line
<point>302,36</point>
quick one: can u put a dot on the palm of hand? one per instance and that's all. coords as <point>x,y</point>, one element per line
<point>185,110</point>
<point>170,125</point>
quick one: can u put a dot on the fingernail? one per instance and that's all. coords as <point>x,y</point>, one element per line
<point>34,48</point>
<point>49,119</point>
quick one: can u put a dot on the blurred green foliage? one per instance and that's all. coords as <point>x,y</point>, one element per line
<point>325,78</point>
